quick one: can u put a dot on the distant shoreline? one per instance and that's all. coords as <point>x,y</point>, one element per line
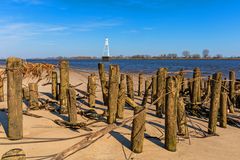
<point>113,58</point>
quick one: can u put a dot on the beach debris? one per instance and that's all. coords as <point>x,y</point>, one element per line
<point>37,71</point>
<point>93,137</point>
<point>14,154</point>
<point>31,114</point>
<point>74,126</point>
<point>91,114</point>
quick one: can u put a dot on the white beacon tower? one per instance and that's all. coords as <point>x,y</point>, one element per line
<point>106,52</point>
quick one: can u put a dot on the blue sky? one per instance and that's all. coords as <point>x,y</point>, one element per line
<point>45,28</point>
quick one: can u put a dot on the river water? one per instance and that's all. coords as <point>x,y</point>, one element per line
<point>150,66</point>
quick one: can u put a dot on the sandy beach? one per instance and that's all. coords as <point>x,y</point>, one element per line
<point>43,138</point>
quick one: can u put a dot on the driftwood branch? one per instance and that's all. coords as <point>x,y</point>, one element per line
<point>92,138</point>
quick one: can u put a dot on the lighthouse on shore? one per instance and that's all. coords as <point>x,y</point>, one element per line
<point>106,53</point>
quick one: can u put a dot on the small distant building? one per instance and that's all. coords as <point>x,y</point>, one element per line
<point>106,53</point>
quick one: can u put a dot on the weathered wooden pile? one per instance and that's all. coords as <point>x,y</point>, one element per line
<point>174,96</point>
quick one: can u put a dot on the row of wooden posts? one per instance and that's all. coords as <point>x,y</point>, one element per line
<point>166,93</point>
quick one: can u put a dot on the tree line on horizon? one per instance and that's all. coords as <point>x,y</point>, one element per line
<point>185,55</point>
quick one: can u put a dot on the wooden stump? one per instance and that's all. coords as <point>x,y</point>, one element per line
<point>33,96</point>
<point>161,91</point>
<point>181,81</point>
<point>232,90</point>
<point>1,90</point>
<point>190,87</point>
<point>64,85</point>
<point>130,89</point>
<point>181,118</point>
<point>113,93</point>
<point>154,88</point>
<point>121,97</point>
<point>170,116</point>
<point>214,104</point>
<point>25,92</point>
<point>147,92</point>
<point>140,84</point>
<point>72,108</point>
<point>209,86</point>
<point>223,110</point>
<point>104,84</point>
<point>14,98</point>
<point>196,89</point>
<point>54,85</point>
<point>92,86</point>
<point>14,154</point>
<point>137,134</point>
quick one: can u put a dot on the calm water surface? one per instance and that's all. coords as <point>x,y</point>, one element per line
<point>150,66</point>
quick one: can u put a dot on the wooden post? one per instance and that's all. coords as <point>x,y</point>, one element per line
<point>147,92</point>
<point>137,134</point>
<point>140,84</point>
<point>190,87</point>
<point>72,109</point>
<point>113,93</point>
<point>171,116</point>
<point>181,115</point>
<point>154,88</point>
<point>130,90</point>
<point>64,85</point>
<point>14,98</point>
<point>181,81</point>
<point>92,90</point>
<point>121,97</point>
<point>1,90</point>
<point>33,96</point>
<point>214,104</point>
<point>223,110</point>
<point>196,88</point>
<point>232,95</point>
<point>181,118</point>
<point>25,92</point>
<point>104,84</point>
<point>54,85</point>
<point>161,91</point>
